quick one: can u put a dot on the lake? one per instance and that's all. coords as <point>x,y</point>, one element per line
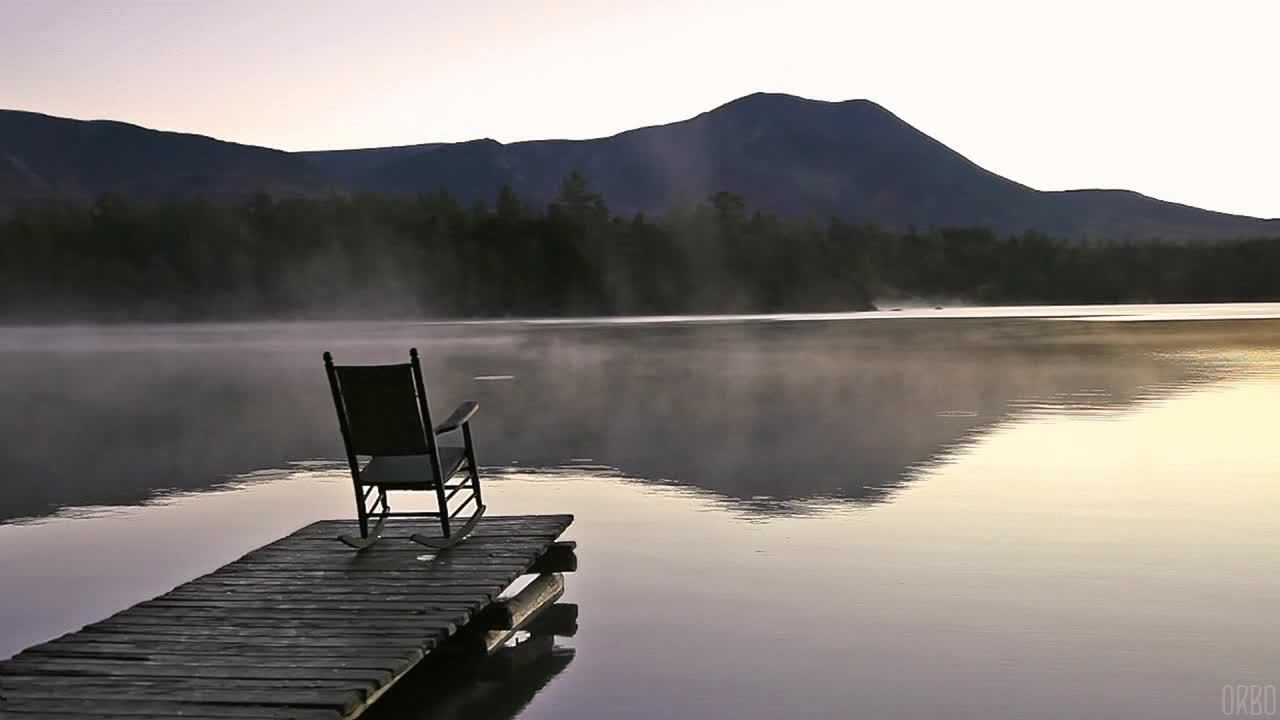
<point>969,513</point>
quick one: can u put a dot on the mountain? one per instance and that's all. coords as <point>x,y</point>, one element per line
<point>793,156</point>
<point>854,160</point>
<point>352,168</point>
<point>42,156</point>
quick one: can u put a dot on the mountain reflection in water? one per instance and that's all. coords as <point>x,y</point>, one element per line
<point>765,414</point>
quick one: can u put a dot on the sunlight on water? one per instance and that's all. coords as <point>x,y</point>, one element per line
<point>889,310</point>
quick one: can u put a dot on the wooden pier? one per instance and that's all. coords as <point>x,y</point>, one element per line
<point>301,628</point>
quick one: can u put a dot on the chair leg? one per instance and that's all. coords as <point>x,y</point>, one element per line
<point>362,513</point>
<point>443,504</point>
<point>368,536</point>
<point>449,535</point>
<point>375,534</point>
<point>471,464</point>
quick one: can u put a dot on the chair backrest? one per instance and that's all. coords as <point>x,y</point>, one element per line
<point>382,409</point>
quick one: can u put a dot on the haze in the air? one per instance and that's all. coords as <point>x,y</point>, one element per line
<point>1175,100</point>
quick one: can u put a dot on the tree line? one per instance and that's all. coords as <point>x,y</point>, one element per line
<point>428,255</point>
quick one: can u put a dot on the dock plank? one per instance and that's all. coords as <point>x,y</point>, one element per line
<point>301,628</point>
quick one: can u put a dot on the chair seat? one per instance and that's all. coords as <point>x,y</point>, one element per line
<point>410,472</point>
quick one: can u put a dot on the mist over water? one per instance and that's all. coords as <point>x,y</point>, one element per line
<point>763,413</point>
<point>976,513</point>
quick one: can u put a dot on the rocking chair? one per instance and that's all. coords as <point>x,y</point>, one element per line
<point>383,413</point>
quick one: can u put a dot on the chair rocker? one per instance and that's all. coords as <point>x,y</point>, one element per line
<point>383,414</point>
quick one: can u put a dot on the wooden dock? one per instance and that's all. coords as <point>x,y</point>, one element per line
<point>301,628</point>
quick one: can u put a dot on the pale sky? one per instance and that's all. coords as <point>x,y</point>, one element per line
<point>1178,100</point>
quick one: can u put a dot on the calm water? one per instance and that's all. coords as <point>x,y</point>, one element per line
<point>917,514</point>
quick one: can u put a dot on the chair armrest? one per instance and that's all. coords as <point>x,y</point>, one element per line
<point>459,417</point>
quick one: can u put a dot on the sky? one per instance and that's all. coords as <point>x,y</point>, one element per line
<point>1178,100</point>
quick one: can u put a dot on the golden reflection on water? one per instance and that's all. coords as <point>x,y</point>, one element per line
<point>1070,562</point>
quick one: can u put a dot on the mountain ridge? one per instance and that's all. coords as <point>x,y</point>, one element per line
<point>77,158</point>
<point>794,156</point>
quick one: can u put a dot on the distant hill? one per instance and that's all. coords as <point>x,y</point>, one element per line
<point>793,156</point>
<point>44,156</point>
<point>353,168</point>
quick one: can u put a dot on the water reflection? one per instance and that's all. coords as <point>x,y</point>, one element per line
<point>498,687</point>
<point>1062,562</point>
<point>767,415</point>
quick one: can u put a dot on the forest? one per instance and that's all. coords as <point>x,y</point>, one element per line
<point>383,256</point>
